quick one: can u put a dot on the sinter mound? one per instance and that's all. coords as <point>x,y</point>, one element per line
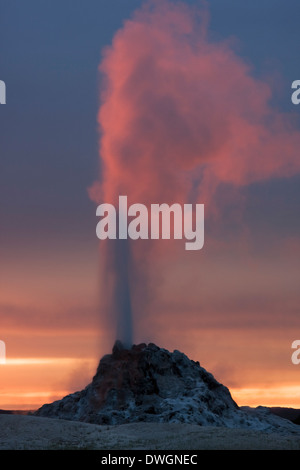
<point>150,384</point>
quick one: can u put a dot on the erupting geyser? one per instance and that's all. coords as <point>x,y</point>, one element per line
<point>182,120</point>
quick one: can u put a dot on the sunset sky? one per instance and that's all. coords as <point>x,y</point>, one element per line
<point>170,103</point>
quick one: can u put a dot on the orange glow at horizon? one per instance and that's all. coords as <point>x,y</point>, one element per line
<point>41,386</point>
<point>287,396</point>
<point>29,382</point>
<point>33,381</point>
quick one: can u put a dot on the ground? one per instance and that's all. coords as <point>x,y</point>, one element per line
<point>30,432</point>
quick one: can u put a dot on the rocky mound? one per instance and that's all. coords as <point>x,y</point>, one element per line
<point>150,384</point>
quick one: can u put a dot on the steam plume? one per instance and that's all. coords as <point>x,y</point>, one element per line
<point>181,115</point>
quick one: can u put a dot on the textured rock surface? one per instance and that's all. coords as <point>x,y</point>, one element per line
<point>150,384</point>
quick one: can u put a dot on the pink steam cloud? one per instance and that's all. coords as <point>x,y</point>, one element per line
<point>180,114</point>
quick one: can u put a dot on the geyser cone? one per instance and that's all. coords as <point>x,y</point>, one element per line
<point>150,384</point>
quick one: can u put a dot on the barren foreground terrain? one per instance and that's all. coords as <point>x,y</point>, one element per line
<point>31,432</point>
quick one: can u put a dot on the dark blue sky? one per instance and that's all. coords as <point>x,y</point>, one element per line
<point>50,51</point>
